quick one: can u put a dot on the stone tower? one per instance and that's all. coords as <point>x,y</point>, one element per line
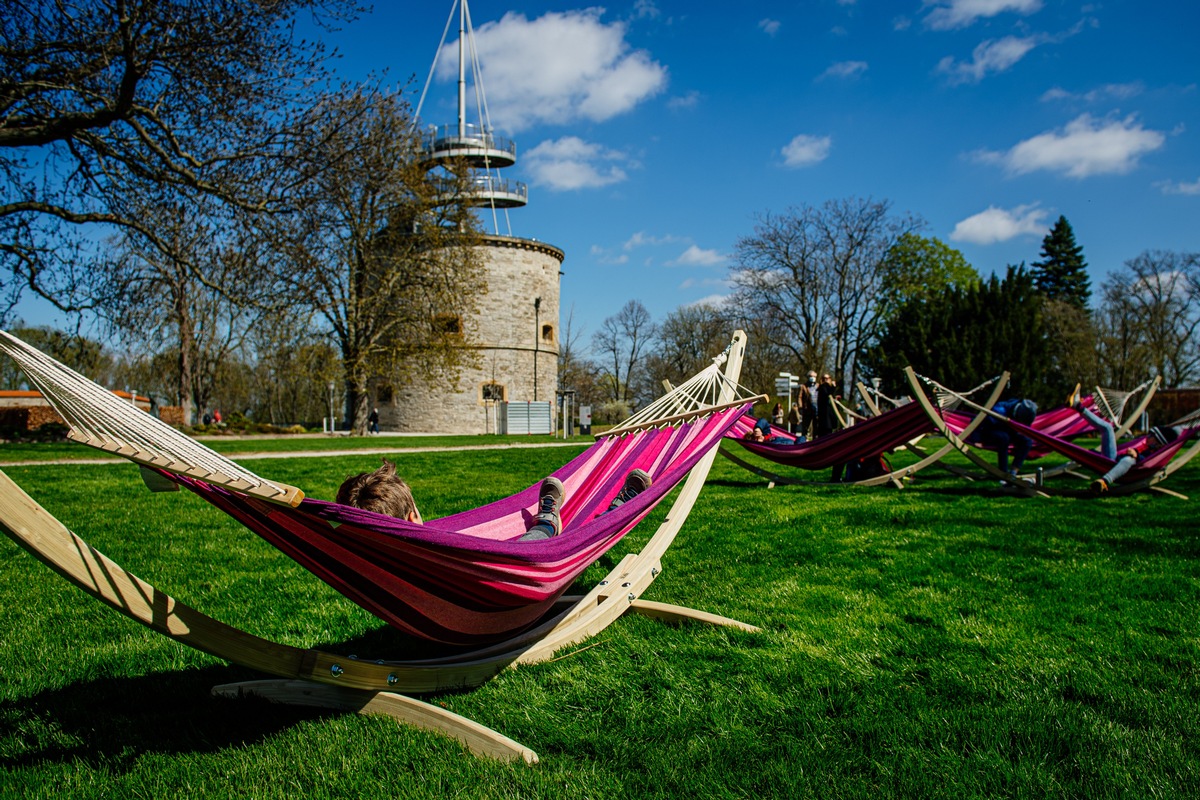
<point>516,330</point>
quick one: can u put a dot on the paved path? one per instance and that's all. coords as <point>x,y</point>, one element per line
<point>371,451</point>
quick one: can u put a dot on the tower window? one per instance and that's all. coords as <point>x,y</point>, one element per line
<point>547,333</point>
<point>491,391</point>
<point>447,323</point>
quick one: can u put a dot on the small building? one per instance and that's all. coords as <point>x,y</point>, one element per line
<point>28,410</point>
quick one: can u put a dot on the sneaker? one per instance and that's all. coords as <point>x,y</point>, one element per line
<point>550,504</point>
<point>636,482</point>
<point>1074,397</point>
<point>1099,486</point>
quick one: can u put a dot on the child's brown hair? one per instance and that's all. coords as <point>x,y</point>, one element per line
<point>381,491</point>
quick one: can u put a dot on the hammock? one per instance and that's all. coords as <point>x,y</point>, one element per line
<point>460,579</point>
<point>464,579</point>
<point>866,439</point>
<point>1066,423</point>
<point>1060,423</point>
<point>1150,471</point>
<point>1145,469</point>
<point>900,427</point>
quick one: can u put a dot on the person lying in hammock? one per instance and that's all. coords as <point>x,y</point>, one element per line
<point>1160,435</point>
<point>385,492</point>
<point>761,433</point>
<point>995,433</point>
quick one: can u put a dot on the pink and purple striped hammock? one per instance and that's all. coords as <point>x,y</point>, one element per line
<point>1095,461</point>
<point>869,438</point>
<point>463,579</point>
<point>1060,423</point>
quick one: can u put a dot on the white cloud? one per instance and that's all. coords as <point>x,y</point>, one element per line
<point>604,256</point>
<point>1170,187</point>
<point>993,55</point>
<point>643,239</point>
<point>645,9</point>
<point>805,150</point>
<point>558,68</point>
<point>999,225</point>
<point>1085,147</point>
<point>844,69</point>
<point>770,26</point>
<point>951,14</point>
<point>689,100</point>
<point>698,257</point>
<point>571,163</point>
<point>1105,93</point>
<point>716,301</point>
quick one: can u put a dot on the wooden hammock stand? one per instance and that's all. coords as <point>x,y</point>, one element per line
<point>896,477</point>
<point>1030,487</point>
<point>316,678</point>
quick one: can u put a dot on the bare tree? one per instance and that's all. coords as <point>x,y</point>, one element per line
<point>295,363</point>
<point>384,254</point>
<point>99,99</point>
<point>817,274</point>
<point>195,294</point>
<point>687,340</point>
<point>78,352</point>
<point>620,344</point>
<point>1150,319</point>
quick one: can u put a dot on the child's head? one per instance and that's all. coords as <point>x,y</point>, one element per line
<point>381,491</point>
<point>1162,435</point>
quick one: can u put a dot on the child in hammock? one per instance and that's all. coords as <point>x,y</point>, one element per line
<point>761,434</point>
<point>1160,435</point>
<point>385,492</point>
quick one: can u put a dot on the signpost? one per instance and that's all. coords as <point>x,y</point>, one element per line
<point>784,385</point>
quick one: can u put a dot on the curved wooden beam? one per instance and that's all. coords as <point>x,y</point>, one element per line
<point>672,613</point>
<point>960,445</point>
<point>477,738</point>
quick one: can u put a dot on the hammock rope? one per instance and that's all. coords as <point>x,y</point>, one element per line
<point>1111,403</point>
<point>706,392</point>
<point>100,419</point>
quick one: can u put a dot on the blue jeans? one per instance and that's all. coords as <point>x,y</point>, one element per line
<point>1108,446</point>
<point>1002,438</point>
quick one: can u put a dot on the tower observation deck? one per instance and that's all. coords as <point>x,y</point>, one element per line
<point>476,145</point>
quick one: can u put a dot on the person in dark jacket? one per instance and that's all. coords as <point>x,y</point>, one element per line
<point>995,432</point>
<point>827,421</point>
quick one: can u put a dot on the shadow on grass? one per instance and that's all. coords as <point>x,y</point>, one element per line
<point>111,722</point>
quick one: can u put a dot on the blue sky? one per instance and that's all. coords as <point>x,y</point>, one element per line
<point>652,132</point>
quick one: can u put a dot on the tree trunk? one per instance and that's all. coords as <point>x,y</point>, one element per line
<point>186,346</point>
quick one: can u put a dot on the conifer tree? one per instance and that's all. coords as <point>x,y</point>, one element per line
<point>1062,272</point>
<point>963,336</point>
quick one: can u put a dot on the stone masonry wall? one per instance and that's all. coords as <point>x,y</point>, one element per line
<point>510,340</point>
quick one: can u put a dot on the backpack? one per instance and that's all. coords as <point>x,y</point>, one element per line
<point>865,468</point>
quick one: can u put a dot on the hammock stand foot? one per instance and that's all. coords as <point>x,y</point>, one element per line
<point>478,739</point>
<point>675,614</point>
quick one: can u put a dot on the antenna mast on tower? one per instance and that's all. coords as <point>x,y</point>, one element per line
<point>483,151</point>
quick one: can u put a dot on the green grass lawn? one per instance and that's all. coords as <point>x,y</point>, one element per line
<point>945,641</point>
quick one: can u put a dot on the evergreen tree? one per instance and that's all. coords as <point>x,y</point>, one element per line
<point>965,335</point>
<point>1062,272</point>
